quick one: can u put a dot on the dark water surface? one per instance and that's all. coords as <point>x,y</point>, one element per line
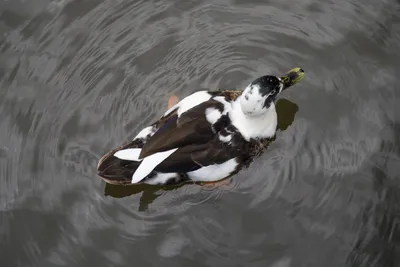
<point>78,78</point>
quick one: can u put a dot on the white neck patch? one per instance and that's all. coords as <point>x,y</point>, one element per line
<point>250,126</point>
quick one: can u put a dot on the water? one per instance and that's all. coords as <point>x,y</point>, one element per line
<point>79,78</point>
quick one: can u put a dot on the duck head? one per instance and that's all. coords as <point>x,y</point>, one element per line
<point>258,96</point>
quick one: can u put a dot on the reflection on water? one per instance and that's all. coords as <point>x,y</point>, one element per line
<point>78,78</point>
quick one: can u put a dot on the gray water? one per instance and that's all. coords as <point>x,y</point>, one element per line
<point>78,78</point>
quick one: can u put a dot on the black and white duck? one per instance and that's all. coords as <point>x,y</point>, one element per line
<point>206,137</point>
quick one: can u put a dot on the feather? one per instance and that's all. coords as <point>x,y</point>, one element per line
<point>129,154</point>
<point>149,163</point>
<point>192,127</point>
<point>215,171</point>
<point>189,102</point>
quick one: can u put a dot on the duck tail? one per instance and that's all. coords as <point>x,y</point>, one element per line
<point>119,165</point>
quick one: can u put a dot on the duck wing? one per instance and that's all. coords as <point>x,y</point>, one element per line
<point>214,159</point>
<point>197,125</point>
<point>192,157</point>
<point>194,120</point>
<point>181,138</point>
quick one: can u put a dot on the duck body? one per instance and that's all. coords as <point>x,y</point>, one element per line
<point>206,137</point>
<point>210,147</point>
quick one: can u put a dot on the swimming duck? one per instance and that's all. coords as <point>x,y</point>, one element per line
<point>206,137</point>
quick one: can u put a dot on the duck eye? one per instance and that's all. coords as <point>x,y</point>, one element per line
<point>273,92</point>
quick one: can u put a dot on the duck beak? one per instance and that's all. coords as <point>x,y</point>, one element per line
<point>292,77</point>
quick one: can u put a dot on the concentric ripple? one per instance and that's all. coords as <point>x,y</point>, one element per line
<point>78,78</point>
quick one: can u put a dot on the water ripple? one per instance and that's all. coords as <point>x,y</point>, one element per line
<point>81,77</point>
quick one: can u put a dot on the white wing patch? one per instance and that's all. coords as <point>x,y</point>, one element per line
<point>145,132</point>
<point>190,102</point>
<point>161,178</point>
<point>129,154</point>
<point>225,139</point>
<point>149,163</point>
<point>212,115</point>
<point>171,109</point>
<point>214,172</point>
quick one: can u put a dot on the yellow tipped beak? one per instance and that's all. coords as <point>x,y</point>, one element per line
<point>292,77</point>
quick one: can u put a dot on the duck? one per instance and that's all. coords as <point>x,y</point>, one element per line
<point>206,137</point>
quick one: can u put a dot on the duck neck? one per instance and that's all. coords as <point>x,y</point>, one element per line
<point>254,126</point>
